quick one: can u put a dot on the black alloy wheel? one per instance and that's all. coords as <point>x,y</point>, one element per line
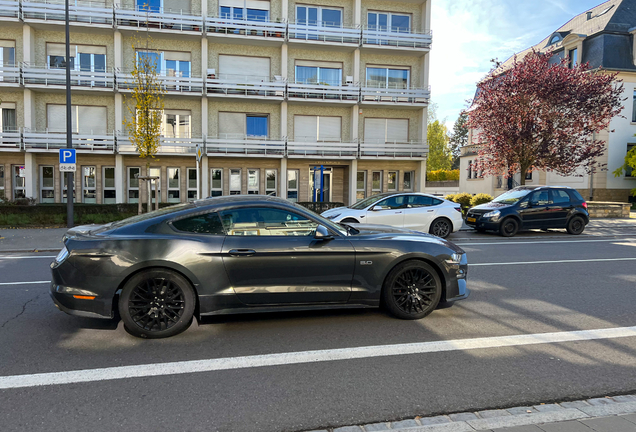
<point>441,228</point>
<point>157,304</point>
<point>412,290</point>
<point>509,227</point>
<point>576,225</point>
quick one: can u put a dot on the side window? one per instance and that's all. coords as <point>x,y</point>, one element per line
<point>395,202</point>
<point>576,196</point>
<point>560,196</point>
<point>415,201</point>
<point>437,201</point>
<point>540,197</point>
<point>206,223</point>
<point>259,221</point>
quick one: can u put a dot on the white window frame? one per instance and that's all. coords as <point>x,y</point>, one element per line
<point>152,184</point>
<point>178,114</point>
<point>386,81</point>
<point>412,175</point>
<point>63,188</point>
<point>361,193</point>
<point>2,61</point>
<point>244,9</point>
<point>374,190</point>
<point>2,181</point>
<point>129,188</point>
<point>162,69</point>
<point>240,176</point>
<point>319,15</point>
<point>108,188</point>
<point>8,106</point>
<point>254,173</point>
<point>388,182</point>
<point>189,189</point>
<point>212,188</point>
<point>271,191</point>
<point>389,23</point>
<point>172,188</point>
<point>47,188</point>
<point>319,81</point>
<point>76,50</point>
<point>85,188</point>
<point>296,174</point>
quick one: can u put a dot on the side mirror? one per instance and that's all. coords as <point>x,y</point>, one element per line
<point>322,233</point>
<point>376,208</point>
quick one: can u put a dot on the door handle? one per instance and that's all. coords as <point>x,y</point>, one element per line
<point>242,252</point>
<point>398,212</point>
<point>430,211</point>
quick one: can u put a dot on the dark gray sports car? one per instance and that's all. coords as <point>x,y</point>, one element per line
<point>243,254</point>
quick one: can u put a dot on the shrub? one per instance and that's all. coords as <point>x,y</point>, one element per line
<point>480,198</point>
<point>443,175</point>
<point>450,197</point>
<point>463,199</point>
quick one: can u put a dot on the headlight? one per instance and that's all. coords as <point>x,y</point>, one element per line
<point>333,216</point>
<point>456,258</point>
<point>62,255</point>
<point>492,214</point>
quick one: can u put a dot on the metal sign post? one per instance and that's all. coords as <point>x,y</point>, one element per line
<point>69,132</point>
<point>199,154</point>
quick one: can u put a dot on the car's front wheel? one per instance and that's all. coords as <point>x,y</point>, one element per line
<point>509,227</point>
<point>576,225</point>
<point>441,228</point>
<point>157,303</point>
<point>412,290</point>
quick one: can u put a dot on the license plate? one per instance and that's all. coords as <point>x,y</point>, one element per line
<point>471,220</point>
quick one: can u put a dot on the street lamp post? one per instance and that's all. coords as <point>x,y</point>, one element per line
<point>70,189</point>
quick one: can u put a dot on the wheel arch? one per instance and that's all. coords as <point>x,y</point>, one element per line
<point>350,219</point>
<point>426,260</point>
<point>452,224</point>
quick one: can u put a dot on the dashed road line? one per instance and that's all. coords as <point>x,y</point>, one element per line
<point>551,262</point>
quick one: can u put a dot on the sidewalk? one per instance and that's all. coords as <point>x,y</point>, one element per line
<point>608,414</point>
<point>29,240</point>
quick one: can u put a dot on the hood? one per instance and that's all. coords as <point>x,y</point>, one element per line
<point>393,233</point>
<point>334,211</point>
<point>490,206</point>
<point>84,230</point>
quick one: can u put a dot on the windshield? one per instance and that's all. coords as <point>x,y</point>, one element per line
<point>362,204</point>
<point>512,197</point>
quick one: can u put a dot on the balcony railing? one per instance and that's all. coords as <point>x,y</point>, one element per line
<point>54,140</point>
<point>172,82</point>
<point>44,76</point>
<point>161,19</point>
<point>168,145</point>
<point>300,31</point>
<point>10,140</point>
<point>348,93</point>
<point>407,39</point>
<point>246,86</point>
<point>245,146</point>
<point>395,95</point>
<point>393,150</point>
<point>9,9</point>
<point>229,26</point>
<point>322,148</point>
<point>9,75</point>
<point>85,12</point>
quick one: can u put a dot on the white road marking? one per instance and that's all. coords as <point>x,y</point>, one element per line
<point>552,262</point>
<point>25,283</point>
<point>545,242</point>
<point>26,257</point>
<point>304,357</point>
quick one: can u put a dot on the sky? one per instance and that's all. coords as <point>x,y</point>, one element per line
<point>468,34</point>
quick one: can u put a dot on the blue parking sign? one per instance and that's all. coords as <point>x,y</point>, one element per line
<point>67,156</point>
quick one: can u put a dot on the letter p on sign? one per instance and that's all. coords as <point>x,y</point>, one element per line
<point>67,156</point>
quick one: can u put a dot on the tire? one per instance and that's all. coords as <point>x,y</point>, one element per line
<point>173,304</point>
<point>412,290</point>
<point>349,220</point>
<point>441,227</point>
<point>509,227</point>
<point>576,225</point>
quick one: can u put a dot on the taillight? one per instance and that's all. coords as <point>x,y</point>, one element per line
<point>585,205</point>
<point>459,209</point>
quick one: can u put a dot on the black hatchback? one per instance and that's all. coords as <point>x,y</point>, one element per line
<point>529,207</point>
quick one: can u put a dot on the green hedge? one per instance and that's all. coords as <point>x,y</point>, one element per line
<point>443,175</point>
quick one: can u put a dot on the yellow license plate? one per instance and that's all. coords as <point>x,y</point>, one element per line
<point>471,220</point>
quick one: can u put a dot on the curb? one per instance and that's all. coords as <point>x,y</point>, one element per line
<point>30,250</point>
<point>503,418</point>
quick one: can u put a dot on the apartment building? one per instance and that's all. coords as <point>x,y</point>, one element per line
<point>270,90</point>
<point>604,37</point>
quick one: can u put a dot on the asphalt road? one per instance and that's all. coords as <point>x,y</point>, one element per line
<point>570,290</point>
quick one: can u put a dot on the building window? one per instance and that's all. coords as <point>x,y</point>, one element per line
<point>556,38</point>
<point>271,182</point>
<point>85,120</point>
<point>318,16</point>
<point>7,53</point>
<point>235,182</point>
<point>251,11</point>
<point>155,172</point>
<point>19,182</point>
<point>256,126</point>
<point>380,131</point>
<point>133,184</point>
<point>176,124</point>
<point>327,74</point>
<point>169,63</point>
<point>241,125</point>
<point>89,191</point>
<point>317,128</point>
<point>2,195</point>
<point>376,182</point>
<point>408,180</point>
<point>192,184</point>
<point>174,185</point>
<point>392,181</point>
<point>634,107</point>
<point>361,185</point>
<point>216,182</point>
<point>629,170</point>
<point>528,175</point>
<point>47,184</point>
<point>470,169</point>
<point>253,181</point>
<point>573,58</point>
<point>7,117</point>
<point>388,78</point>
<point>64,181</point>
<point>292,185</point>
<point>386,21</point>
<point>86,58</point>
<point>108,185</point>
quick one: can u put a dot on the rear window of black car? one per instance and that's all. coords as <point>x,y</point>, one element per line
<point>560,196</point>
<point>204,223</point>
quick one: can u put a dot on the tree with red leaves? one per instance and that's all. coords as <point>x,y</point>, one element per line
<point>541,116</point>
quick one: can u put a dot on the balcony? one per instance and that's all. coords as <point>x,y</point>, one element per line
<point>393,150</point>
<point>385,39</point>
<point>9,76</point>
<point>9,10</point>
<point>246,87</point>
<point>42,77</point>
<point>395,96</point>
<point>245,146</point>
<point>53,141</point>
<point>323,92</point>
<point>167,145</point>
<point>172,82</point>
<point>308,33</point>
<point>160,20</point>
<point>10,141</point>
<point>250,29</point>
<point>337,150</point>
<point>83,14</point>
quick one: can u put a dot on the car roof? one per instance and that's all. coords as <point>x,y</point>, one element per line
<point>238,199</point>
<point>533,187</point>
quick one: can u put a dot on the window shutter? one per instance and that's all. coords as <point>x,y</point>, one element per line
<point>244,68</point>
<point>257,4</point>
<point>231,125</point>
<point>374,130</point>
<point>305,128</point>
<point>176,6</point>
<point>397,130</point>
<point>177,55</point>
<point>329,129</point>
<point>230,3</point>
<point>92,120</point>
<point>56,118</point>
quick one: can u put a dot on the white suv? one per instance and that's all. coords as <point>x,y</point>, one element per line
<point>414,211</point>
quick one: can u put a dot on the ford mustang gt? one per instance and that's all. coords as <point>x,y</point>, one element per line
<point>243,254</point>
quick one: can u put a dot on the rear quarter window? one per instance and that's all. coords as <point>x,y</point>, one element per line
<point>560,196</point>
<point>205,223</point>
<point>576,196</point>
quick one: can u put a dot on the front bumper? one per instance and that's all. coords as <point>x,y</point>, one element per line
<point>97,308</point>
<point>482,223</point>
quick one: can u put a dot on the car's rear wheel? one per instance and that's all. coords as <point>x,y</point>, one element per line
<point>509,227</point>
<point>412,290</point>
<point>157,303</point>
<point>576,225</point>
<point>441,227</point>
